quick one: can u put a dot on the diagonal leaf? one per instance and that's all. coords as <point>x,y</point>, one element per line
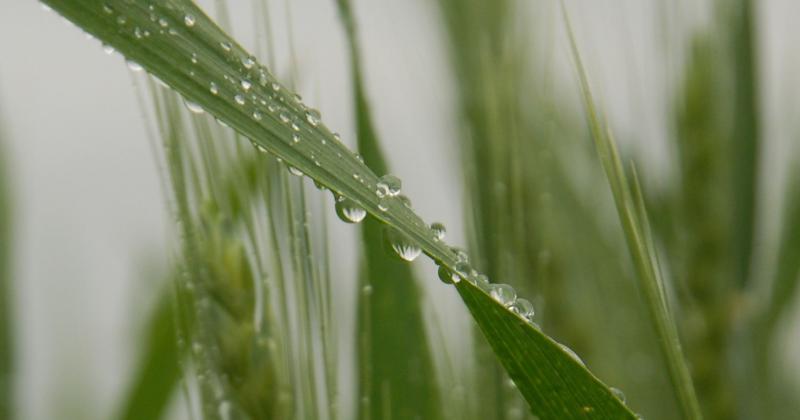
<point>176,42</point>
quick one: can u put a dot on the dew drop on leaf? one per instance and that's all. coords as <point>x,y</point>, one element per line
<point>438,231</point>
<point>618,394</point>
<point>193,107</point>
<point>404,247</point>
<point>503,293</point>
<point>134,66</point>
<point>523,308</point>
<point>388,186</point>
<point>348,211</point>
<point>189,20</point>
<point>572,354</point>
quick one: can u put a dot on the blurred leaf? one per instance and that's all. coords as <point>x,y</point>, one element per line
<point>633,217</point>
<point>158,371</point>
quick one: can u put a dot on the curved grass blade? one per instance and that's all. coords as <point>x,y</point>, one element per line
<point>394,344</point>
<point>203,64</point>
<point>633,218</point>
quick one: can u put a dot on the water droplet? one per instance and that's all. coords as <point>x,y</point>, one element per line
<point>438,231</point>
<point>134,66</point>
<point>194,58</point>
<point>572,354</point>
<point>213,88</point>
<point>367,289</point>
<point>523,308</point>
<point>108,49</point>
<point>248,62</point>
<point>195,108</point>
<point>383,205</point>
<point>276,87</point>
<point>246,84</point>
<point>256,115</point>
<point>463,269</point>
<point>348,211</point>
<point>295,171</point>
<point>482,281</point>
<point>284,118</point>
<point>189,20</point>
<point>404,247</point>
<point>312,116</point>
<point>239,98</point>
<point>503,293</point>
<point>461,255</point>
<point>295,138</point>
<point>163,22</point>
<point>388,186</point>
<point>618,394</point>
<point>447,276</point>
<point>226,45</point>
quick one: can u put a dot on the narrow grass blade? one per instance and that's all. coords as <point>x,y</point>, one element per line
<point>158,369</point>
<point>6,319</point>
<point>226,83</point>
<point>635,225</point>
<point>392,340</point>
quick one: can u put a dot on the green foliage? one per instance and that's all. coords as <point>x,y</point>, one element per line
<point>255,319</point>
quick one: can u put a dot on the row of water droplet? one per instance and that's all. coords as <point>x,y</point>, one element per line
<point>387,188</point>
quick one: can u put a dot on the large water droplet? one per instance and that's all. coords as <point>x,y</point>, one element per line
<point>246,84</point>
<point>447,276</point>
<point>523,308</point>
<point>438,231</point>
<point>195,108</point>
<point>189,20</point>
<point>295,171</point>
<point>248,62</point>
<point>388,186</point>
<point>404,247</point>
<point>312,116</point>
<point>503,293</point>
<point>226,45</point>
<point>348,211</point>
<point>572,354</point>
<point>618,393</point>
<point>134,66</point>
